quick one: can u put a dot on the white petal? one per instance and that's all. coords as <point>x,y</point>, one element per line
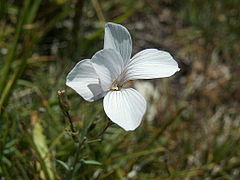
<point>125,108</point>
<point>117,37</point>
<point>108,64</point>
<point>84,80</point>
<point>149,64</point>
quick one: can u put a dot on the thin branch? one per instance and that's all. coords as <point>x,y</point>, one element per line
<point>63,103</point>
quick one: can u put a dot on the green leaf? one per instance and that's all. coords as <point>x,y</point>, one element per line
<point>6,161</point>
<point>41,144</point>
<point>63,164</point>
<point>92,162</point>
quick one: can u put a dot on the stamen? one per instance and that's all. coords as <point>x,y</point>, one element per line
<point>115,85</point>
<point>115,88</point>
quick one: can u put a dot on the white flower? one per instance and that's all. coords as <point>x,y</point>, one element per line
<point>109,69</point>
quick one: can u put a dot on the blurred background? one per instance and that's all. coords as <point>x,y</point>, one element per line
<point>192,126</point>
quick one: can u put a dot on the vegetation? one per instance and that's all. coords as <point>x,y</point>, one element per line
<point>192,126</point>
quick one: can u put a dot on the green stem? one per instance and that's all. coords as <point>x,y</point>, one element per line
<point>71,173</point>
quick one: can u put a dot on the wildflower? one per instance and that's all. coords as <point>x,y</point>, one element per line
<point>108,71</point>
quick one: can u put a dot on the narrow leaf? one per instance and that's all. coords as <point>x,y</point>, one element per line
<point>92,162</point>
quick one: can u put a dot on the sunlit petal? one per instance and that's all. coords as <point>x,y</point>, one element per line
<point>117,37</point>
<point>149,64</point>
<point>125,108</point>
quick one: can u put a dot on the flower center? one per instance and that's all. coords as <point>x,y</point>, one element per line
<point>116,85</point>
<point>118,82</point>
